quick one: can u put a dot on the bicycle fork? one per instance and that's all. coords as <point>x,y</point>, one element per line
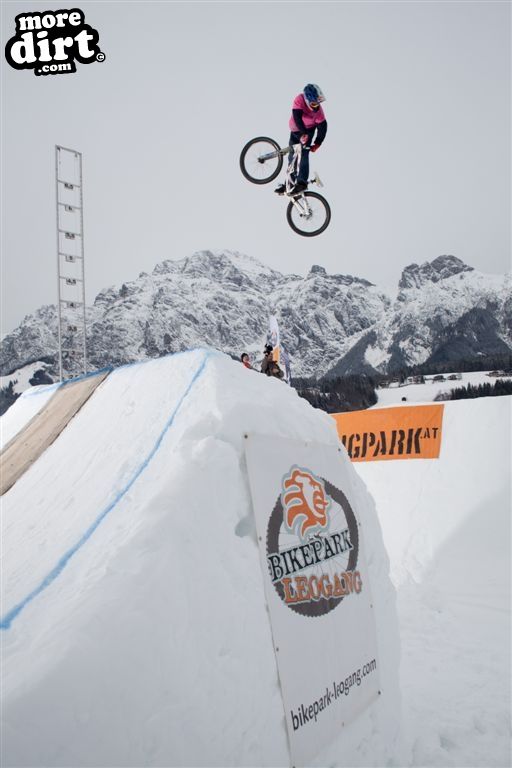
<point>301,204</point>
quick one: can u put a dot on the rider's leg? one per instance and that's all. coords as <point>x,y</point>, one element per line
<point>304,160</point>
<point>303,174</point>
<point>294,139</point>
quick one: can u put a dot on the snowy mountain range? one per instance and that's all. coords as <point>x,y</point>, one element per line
<point>442,310</point>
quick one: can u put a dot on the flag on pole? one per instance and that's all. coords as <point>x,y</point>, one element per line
<point>280,355</point>
<point>273,336</point>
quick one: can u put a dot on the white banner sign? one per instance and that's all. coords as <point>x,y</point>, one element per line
<point>273,332</point>
<point>316,585</point>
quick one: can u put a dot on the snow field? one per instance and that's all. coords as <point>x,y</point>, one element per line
<point>423,393</point>
<point>447,529</point>
<point>22,376</point>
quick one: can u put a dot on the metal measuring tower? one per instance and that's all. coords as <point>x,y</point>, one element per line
<point>70,262</point>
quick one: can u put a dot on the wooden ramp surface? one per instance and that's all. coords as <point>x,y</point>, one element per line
<point>41,431</point>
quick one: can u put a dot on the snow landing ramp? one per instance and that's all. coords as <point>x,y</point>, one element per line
<point>134,624</point>
<point>425,503</point>
<point>447,528</point>
<point>40,432</point>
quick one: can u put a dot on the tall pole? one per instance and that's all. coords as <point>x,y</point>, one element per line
<point>59,297</point>
<point>70,260</point>
<point>83,262</point>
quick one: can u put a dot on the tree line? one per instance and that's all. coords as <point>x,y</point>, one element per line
<point>502,362</point>
<point>342,393</point>
<point>500,387</point>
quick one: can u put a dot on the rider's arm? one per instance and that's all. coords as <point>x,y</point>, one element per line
<point>321,130</point>
<point>297,116</point>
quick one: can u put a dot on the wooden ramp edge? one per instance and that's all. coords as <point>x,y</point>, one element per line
<point>44,428</point>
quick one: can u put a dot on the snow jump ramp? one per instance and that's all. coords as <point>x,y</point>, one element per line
<point>134,624</point>
<point>41,431</point>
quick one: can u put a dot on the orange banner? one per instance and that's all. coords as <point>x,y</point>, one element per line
<point>406,432</point>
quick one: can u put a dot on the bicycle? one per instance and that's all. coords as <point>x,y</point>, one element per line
<point>261,161</point>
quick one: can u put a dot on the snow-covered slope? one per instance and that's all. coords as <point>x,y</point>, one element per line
<point>21,381</point>
<point>432,390</point>
<point>150,644</point>
<point>134,627</point>
<point>447,528</point>
<point>443,310</point>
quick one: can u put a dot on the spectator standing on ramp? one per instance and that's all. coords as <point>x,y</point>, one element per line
<point>267,359</point>
<point>244,357</point>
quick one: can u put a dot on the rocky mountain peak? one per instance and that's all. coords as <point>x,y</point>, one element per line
<point>416,276</point>
<point>337,322</point>
<point>219,266</point>
<point>317,270</point>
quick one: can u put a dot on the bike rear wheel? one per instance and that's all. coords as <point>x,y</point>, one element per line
<point>308,217</point>
<point>261,160</point>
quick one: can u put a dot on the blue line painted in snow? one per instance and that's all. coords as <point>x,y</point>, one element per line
<point>107,369</point>
<point>41,390</point>
<point>6,621</point>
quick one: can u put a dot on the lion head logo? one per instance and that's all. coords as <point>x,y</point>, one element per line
<point>305,502</point>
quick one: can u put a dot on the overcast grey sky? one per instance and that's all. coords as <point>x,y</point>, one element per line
<point>416,163</point>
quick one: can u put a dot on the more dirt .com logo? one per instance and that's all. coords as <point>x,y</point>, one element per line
<point>312,544</point>
<point>50,42</point>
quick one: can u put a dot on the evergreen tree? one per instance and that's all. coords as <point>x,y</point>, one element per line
<point>7,397</point>
<point>335,395</point>
<point>40,377</point>
<point>500,387</point>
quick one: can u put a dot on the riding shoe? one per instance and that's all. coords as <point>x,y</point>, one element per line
<point>298,188</point>
<point>281,189</point>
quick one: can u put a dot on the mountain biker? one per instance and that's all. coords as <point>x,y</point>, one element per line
<point>307,118</point>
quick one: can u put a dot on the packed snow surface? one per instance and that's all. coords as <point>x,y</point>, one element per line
<point>136,631</point>
<point>447,529</point>
<point>134,622</point>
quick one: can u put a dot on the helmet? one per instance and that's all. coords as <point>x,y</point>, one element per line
<point>313,93</point>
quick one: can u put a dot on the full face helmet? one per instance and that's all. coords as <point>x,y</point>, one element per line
<point>313,95</point>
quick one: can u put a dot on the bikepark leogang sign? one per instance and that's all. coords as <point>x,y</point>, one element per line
<point>317,587</point>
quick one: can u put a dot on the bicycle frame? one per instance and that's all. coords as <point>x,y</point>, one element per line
<point>307,213</point>
<point>300,201</point>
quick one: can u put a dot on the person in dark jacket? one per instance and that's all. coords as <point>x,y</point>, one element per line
<point>275,370</point>
<point>307,119</point>
<point>267,359</point>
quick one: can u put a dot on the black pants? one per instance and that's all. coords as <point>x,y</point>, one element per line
<point>304,160</point>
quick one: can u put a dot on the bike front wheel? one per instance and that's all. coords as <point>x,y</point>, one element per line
<point>261,160</point>
<point>308,214</point>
